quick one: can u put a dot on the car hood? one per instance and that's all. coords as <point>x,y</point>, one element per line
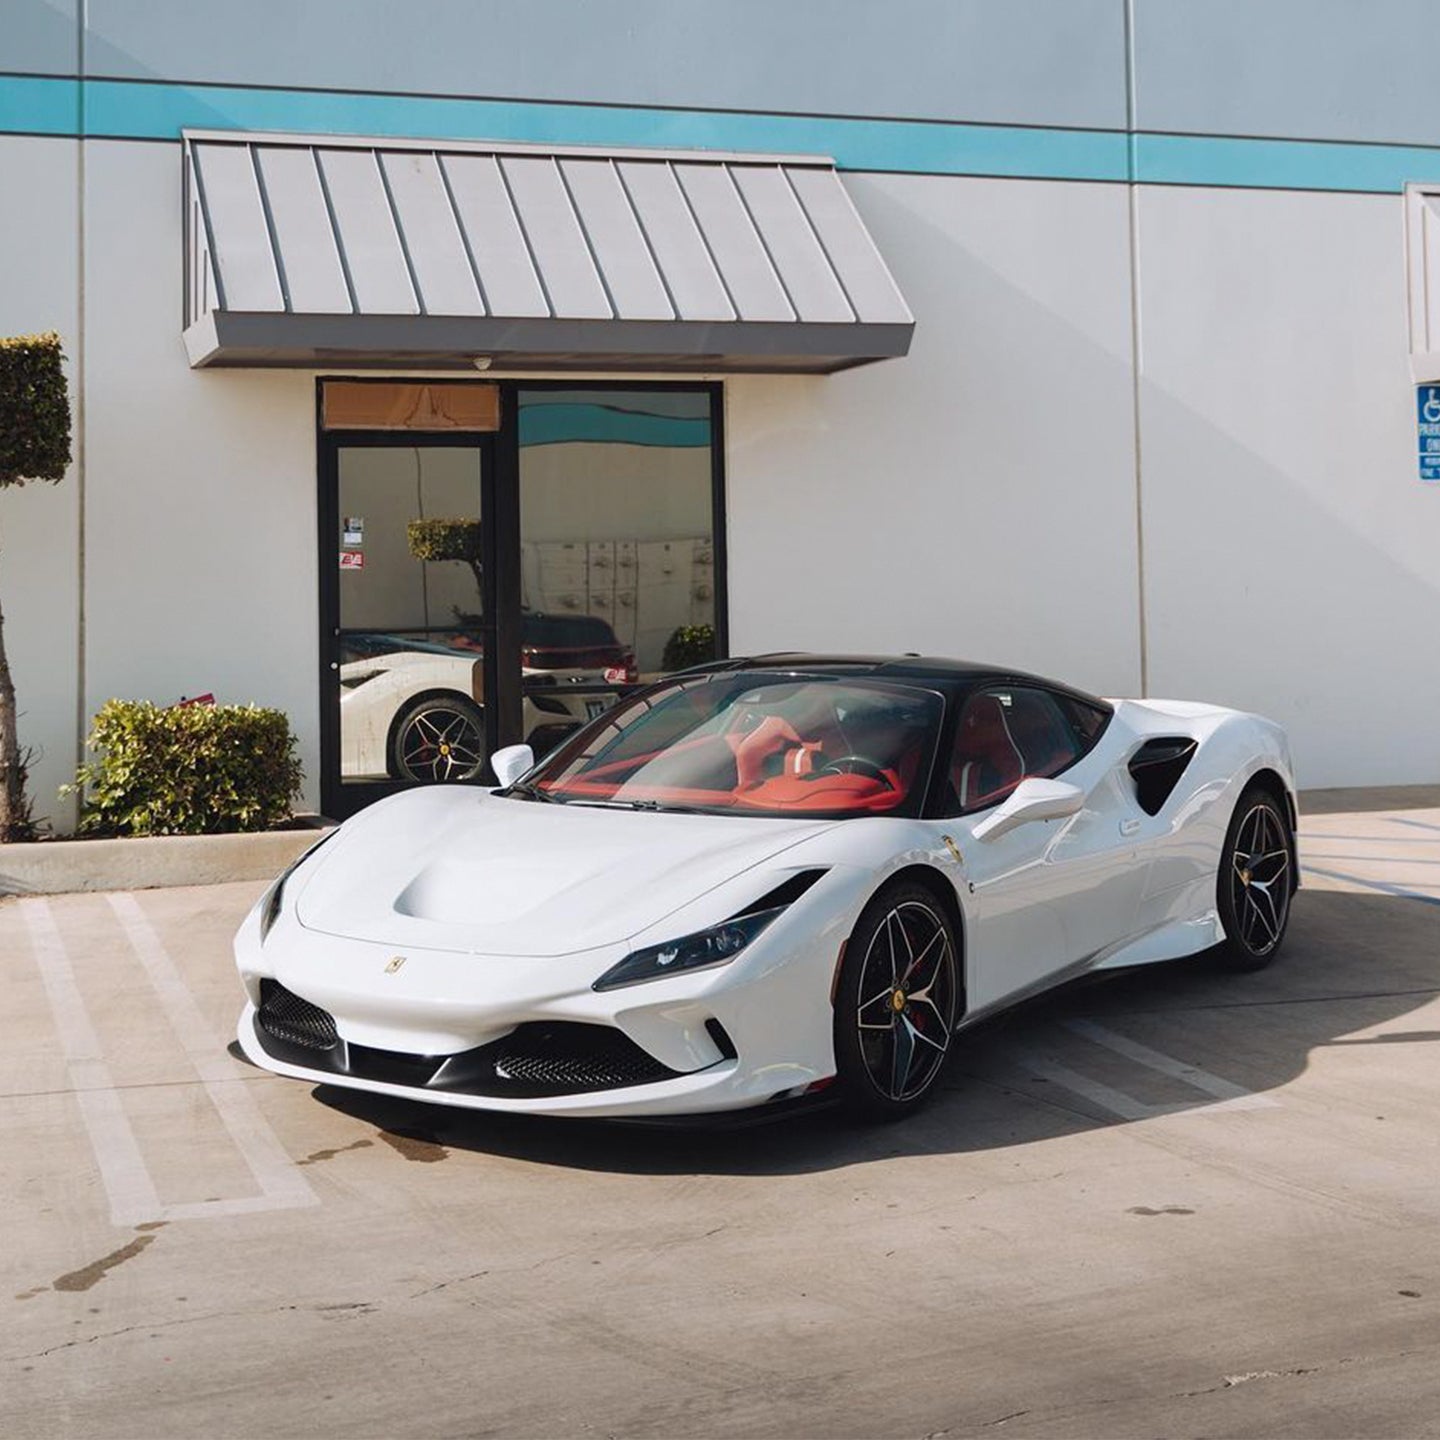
<point>460,869</point>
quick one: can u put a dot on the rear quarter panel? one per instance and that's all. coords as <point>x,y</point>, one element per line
<point>1188,833</point>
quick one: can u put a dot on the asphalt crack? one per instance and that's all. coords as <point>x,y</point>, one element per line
<point>1229,1382</point>
<point>446,1284</point>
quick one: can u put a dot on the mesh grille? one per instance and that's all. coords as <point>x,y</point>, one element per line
<point>568,1057</point>
<point>297,1022</point>
<point>537,1059</point>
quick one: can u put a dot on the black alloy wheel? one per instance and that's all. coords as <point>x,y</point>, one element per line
<point>1256,880</point>
<point>440,738</point>
<point>896,1004</point>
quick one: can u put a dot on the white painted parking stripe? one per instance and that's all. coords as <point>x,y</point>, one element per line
<point>281,1185</point>
<point>1225,1095</point>
<point>1192,1075</point>
<point>128,1186</point>
<point>1043,1067</point>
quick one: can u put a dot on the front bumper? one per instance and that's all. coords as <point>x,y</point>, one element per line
<point>737,1036</point>
<point>716,1088</point>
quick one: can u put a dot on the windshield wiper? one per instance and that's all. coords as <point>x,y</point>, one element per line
<point>649,805</point>
<point>526,791</point>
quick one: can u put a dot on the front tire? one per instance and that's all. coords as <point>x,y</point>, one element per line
<point>896,1003</point>
<point>438,737</point>
<point>1256,881</point>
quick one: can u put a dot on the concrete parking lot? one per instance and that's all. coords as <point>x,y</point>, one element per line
<point>1174,1202</point>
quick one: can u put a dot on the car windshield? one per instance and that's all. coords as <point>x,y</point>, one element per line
<point>756,743</point>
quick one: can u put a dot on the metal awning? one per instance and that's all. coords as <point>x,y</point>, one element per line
<point>306,251</point>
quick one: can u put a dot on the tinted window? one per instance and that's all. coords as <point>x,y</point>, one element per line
<point>755,743</point>
<point>537,629</point>
<point>1086,720</point>
<point>1006,734</point>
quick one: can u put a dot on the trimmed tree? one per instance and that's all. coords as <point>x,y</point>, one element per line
<point>34,445</point>
<point>447,540</point>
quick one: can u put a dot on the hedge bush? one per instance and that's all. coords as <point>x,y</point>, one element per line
<point>444,540</point>
<point>187,770</point>
<point>34,410</point>
<point>688,645</point>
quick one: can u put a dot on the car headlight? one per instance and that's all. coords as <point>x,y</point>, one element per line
<point>274,898</point>
<point>716,946</point>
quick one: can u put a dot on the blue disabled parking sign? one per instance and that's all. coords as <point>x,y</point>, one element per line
<point>1427,414</point>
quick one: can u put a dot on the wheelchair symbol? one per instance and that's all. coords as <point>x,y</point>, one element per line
<point>1430,409</point>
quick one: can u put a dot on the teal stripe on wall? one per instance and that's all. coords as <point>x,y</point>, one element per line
<point>1281,164</point>
<point>127,110</point>
<point>39,107</point>
<point>131,110</point>
<point>563,423</point>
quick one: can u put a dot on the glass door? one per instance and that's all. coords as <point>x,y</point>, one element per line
<point>408,604</point>
<point>619,571</point>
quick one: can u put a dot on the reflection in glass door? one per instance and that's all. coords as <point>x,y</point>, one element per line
<point>407,667</point>
<point>619,569</point>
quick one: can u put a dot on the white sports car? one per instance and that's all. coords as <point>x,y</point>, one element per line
<point>413,708</point>
<point>762,878</point>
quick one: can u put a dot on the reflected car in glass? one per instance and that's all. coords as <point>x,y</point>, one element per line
<point>763,879</point>
<point>412,705</point>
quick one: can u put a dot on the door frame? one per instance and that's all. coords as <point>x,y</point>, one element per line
<point>500,557</point>
<point>338,798</point>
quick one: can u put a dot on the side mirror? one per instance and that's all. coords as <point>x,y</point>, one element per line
<point>511,763</point>
<point>1032,800</point>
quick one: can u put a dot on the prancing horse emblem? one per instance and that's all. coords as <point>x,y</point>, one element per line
<point>395,963</point>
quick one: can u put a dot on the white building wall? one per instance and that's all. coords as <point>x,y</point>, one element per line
<point>39,523</point>
<point>1292,556</point>
<point>200,519</point>
<point>977,498</point>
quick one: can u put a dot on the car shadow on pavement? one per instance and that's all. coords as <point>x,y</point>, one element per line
<point>1108,1050</point>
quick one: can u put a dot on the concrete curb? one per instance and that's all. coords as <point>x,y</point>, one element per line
<point>56,867</point>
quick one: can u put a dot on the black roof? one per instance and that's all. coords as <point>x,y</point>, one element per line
<point>934,670</point>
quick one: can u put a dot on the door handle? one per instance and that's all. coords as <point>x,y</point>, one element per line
<point>1129,827</point>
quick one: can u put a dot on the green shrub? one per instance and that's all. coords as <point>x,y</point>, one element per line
<point>34,410</point>
<point>444,539</point>
<point>688,645</point>
<point>187,770</point>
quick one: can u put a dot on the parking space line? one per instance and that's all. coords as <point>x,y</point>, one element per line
<point>123,1173</point>
<point>1192,1075</point>
<point>1224,1094</point>
<point>1382,886</point>
<point>1105,1096</point>
<point>281,1185</point>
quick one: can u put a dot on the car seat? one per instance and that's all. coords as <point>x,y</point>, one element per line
<point>986,763</point>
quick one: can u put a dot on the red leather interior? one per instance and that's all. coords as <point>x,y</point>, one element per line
<point>780,763</point>
<point>771,737</point>
<point>986,760</point>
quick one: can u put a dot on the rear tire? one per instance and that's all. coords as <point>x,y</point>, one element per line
<point>896,1003</point>
<point>1256,881</point>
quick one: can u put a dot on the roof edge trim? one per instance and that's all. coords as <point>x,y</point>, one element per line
<point>312,141</point>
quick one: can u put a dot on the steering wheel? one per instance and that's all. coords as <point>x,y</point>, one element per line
<point>856,765</point>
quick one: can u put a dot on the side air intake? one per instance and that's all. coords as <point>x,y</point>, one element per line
<point>1156,768</point>
<point>785,893</point>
